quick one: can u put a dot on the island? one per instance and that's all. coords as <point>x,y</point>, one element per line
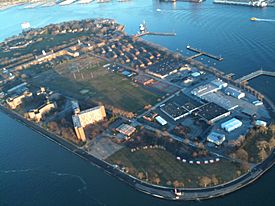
<point>163,123</point>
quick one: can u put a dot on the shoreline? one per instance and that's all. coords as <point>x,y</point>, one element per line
<point>147,188</point>
<point>165,192</point>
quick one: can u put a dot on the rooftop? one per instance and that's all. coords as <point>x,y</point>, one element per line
<point>212,111</point>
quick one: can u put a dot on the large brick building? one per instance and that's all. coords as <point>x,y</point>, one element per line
<point>86,117</point>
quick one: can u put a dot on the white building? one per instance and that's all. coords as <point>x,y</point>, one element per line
<point>161,120</point>
<point>234,92</point>
<point>231,124</point>
<point>219,83</point>
<point>204,89</point>
<point>216,138</point>
<point>260,123</point>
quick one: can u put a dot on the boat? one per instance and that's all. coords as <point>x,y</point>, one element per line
<point>25,25</point>
<point>253,19</point>
<point>177,193</point>
<point>142,27</point>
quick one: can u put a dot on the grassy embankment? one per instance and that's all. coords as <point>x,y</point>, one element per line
<point>161,167</point>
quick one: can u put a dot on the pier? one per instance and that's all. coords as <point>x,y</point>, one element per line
<point>156,34</point>
<point>254,75</point>
<point>259,4</point>
<point>201,53</point>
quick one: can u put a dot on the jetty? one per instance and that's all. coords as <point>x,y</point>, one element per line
<point>155,34</point>
<point>254,75</point>
<point>259,3</point>
<point>66,2</point>
<point>202,53</point>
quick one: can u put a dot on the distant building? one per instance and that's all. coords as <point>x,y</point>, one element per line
<point>212,112</point>
<point>234,92</point>
<point>161,120</point>
<point>150,116</point>
<point>260,123</point>
<point>219,83</point>
<point>126,129</point>
<point>211,87</point>
<point>257,103</point>
<point>21,86</point>
<point>16,100</point>
<point>37,114</point>
<point>204,89</point>
<point>231,124</point>
<point>142,79</point>
<point>216,138</point>
<point>86,117</point>
<point>174,110</point>
<point>42,90</point>
<point>75,106</point>
<point>195,74</point>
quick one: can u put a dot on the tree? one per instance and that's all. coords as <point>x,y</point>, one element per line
<point>238,173</point>
<point>263,130</point>
<point>53,126</point>
<point>156,180</point>
<point>272,128</point>
<point>262,144</point>
<point>186,141</point>
<point>245,166</point>
<point>271,143</point>
<point>141,175</point>
<point>214,180</point>
<point>241,154</point>
<point>169,182</point>
<point>204,181</point>
<point>262,154</point>
<point>177,184</point>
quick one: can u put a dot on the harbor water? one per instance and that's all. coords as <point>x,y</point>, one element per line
<point>37,171</point>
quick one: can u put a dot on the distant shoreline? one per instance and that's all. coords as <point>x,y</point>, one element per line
<point>8,4</point>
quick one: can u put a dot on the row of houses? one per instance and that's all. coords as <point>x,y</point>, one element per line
<point>126,51</point>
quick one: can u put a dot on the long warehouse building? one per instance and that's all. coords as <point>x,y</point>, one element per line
<point>231,124</point>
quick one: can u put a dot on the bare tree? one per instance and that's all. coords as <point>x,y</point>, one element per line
<point>204,181</point>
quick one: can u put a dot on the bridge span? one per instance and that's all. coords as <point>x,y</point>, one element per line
<point>254,75</point>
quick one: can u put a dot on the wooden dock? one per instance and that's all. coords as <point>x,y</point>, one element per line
<point>254,75</point>
<point>201,53</point>
<point>155,34</point>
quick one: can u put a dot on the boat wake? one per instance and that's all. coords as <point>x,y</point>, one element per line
<point>28,170</point>
<point>265,20</point>
<point>55,173</point>
<point>18,171</point>
<point>84,184</point>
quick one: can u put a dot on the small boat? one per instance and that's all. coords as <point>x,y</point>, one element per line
<point>253,19</point>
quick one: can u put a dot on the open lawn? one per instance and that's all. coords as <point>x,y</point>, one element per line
<point>157,163</point>
<point>104,86</point>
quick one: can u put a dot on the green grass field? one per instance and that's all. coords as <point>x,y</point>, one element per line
<point>160,163</point>
<point>110,88</point>
<point>119,91</point>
